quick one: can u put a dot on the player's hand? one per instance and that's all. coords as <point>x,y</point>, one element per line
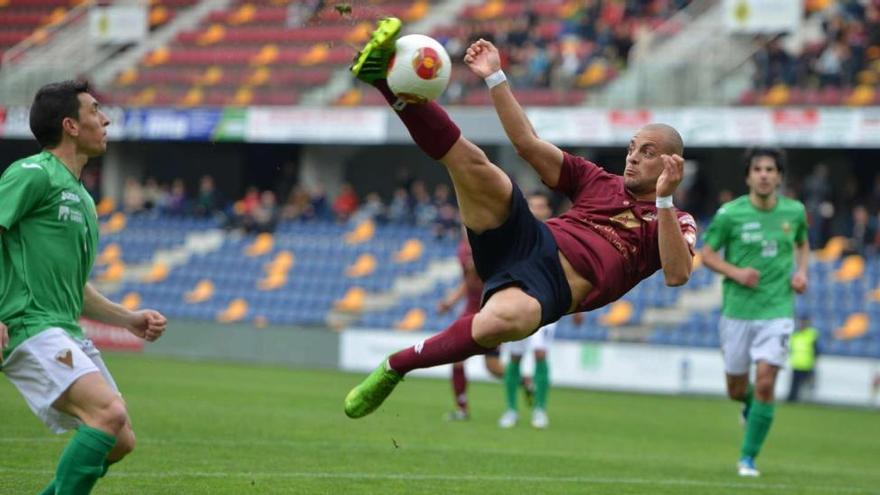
<point>443,307</point>
<point>148,324</point>
<point>482,58</point>
<point>578,318</point>
<point>799,282</point>
<point>670,178</point>
<point>748,277</point>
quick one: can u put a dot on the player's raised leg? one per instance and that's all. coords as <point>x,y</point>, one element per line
<point>483,190</point>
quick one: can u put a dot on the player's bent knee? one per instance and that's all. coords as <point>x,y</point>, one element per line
<point>112,416</point>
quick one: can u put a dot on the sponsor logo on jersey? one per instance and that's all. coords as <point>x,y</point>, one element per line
<point>31,165</point>
<point>627,219</point>
<point>751,226</point>
<point>70,196</point>
<point>65,357</point>
<point>67,214</point>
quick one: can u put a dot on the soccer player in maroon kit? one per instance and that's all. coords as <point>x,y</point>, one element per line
<point>471,290</point>
<point>619,231</point>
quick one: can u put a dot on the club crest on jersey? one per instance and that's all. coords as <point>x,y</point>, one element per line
<point>786,227</point>
<point>627,219</point>
<point>427,63</point>
<point>65,357</point>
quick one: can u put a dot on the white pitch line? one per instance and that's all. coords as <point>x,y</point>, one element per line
<point>457,477</point>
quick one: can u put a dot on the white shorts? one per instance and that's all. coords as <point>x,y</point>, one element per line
<point>744,342</point>
<point>538,341</point>
<point>46,365</point>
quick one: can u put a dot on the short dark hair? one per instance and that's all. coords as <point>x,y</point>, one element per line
<point>52,104</point>
<point>777,154</point>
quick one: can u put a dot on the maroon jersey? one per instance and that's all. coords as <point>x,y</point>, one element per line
<point>608,236</point>
<point>472,283</point>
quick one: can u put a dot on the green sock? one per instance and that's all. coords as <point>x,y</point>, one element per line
<point>542,383</point>
<point>757,426</point>
<point>83,461</point>
<point>50,488</point>
<point>511,383</point>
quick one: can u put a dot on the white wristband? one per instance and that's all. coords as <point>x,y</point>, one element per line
<point>664,202</point>
<point>495,78</point>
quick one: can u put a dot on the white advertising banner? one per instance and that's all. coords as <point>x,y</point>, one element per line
<point>118,24</point>
<point>631,367</point>
<point>763,16</point>
<point>316,125</point>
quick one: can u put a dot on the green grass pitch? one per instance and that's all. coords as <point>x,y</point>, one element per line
<point>216,428</point>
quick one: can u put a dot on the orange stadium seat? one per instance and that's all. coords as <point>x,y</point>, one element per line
<point>363,232</point>
<point>619,313</point>
<point>236,311</point>
<point>414,319</point>
<point>855,326</point>
<point>111,253</point>
<point>363,266</point>
<point>203,291</point>
<point>852,268</point>
<point>158,272</point>
<point>116,223</point>
<point>114,272</point>
<point>411,250</point>
<point>352,301</point>
<point>261,245</point>
<point>131,301</point>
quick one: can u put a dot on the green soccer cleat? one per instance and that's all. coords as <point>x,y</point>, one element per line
<point>372,392</point>
<point>371,63</point>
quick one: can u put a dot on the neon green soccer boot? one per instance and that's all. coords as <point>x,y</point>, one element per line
<point>372,392</point>
<point>371,63</point>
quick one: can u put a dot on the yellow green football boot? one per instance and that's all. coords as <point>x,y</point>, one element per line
<point>371,63</point>
<point>372,392</point>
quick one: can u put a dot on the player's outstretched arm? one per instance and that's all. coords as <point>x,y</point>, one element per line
<point>748,276</point>
<point>483,59</point>
<point>802,262</point>
<point>4,339</point>
<point>675,251</point>
<point>147,324</point>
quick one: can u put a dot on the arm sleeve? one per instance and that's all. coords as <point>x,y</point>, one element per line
<point>576,174</point>
<point>718,232</point>
<point>21,190</point>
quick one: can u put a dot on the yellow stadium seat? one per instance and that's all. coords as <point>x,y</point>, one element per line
<point>127,77</point>
<point>112,252</point>
<point>416,11</point>
<point>283,262</point>
<point>492,8</point>
<point>852,268</point>
<point>267,55</point>
<point>158,272</point>
<point>362,233</point>
<point>618,314</point>
<point>411,250</point>
<point>213,34</point>
<point>363,266</point>
<point>875,295</point>
<point>114,224</point>
<point>414,319</point>
<point>243,14</point>
<point>158,56</point>
<point>211,76</point>
<point>158,15</point>
<point>776,95</point>
<point>259,76</point>
<point>856,326</point>
<point>862,95</point>
<point>833,249</point>
<point>360,33</point>
<point>193,97</point>
<point>272,281</point>
<point>203,291</point>
<point>243,96</point>
<point>105,206</point>
<point>350,98</point>
<point>261,245</point>
<point>353,300</point>
<point>114,272</point>
<point>316,55</point>
<point>131,301</point>
<point>236,311</point>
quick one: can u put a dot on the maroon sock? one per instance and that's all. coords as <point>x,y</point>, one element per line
<point>459,386</point>
<point>449,346</point>
<point>428,124</point>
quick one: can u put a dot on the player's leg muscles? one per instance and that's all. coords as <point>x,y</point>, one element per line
<point>737,386</point>
<point>765,381</point>
<point>95,403</point>
<point>483,190</point>
<point>509,314</point>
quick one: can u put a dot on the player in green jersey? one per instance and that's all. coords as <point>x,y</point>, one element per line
<point>764,239</point>
<point>48,241</point>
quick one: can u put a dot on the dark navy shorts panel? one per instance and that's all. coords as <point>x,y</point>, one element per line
<point>522,252</point>
<point>494,352</point>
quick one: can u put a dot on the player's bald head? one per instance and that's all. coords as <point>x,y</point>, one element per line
<point>672,139</point>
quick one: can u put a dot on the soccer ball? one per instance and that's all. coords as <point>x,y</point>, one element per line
<point>419,70</point>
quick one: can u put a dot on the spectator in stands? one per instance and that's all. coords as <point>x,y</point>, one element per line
<point>154,195</point>
<point>346,203</point>
<point>299,205</point>
<point>817,196</point>
<point>424,210</point>
<point>320,205</point>
<point>862,232</point>
<point>400,210</point>
<point>446,224</point>
<point>207,202</point>
<point>265,216</point>
<point>371,209</point>
<point>176,202</point>
<point>133,196</point>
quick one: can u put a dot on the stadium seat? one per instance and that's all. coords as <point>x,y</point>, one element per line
<point>620,313</point>
<point>852,268</point>
<point>352,301</point>
<point>158,272</point>
<point>363,266</point>
<point>116,223</point>
<point>856,326</point>
<point>235,311</point>
<point>261,245</point>
<point>114,272</point>
<point>833,249</point>
<point>414,319</point>
<point>111,253</point>
<point>203,291</point>
<point>273,281</point>
<point>363,232</point>
<point>411,250</point>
